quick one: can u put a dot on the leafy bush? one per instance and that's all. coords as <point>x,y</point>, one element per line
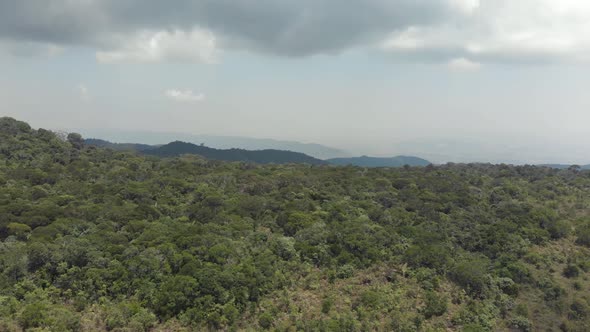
<point>579,309</point>
<point>521,324</point>
<point>436,305</point>
<point>265,320</point>
<point>583,234</point>
<point>571,271</point>
<point>471,274</point>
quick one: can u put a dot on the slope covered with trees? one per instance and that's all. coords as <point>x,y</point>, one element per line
<point>94,239</point>
<point>118,146</point>
<point>178,148</point>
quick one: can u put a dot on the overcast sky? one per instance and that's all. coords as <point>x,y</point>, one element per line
<point>487,80</point>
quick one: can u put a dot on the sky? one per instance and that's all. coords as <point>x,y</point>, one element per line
<point>451,80</point>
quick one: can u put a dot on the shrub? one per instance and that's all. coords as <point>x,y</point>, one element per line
<point>571,271</point>
<point>521,323</point>
<point>327,304</point>
<point>345,271</point>
<point>579,309</point>
<point>559,229</point>
<point>471,274</point>
<point>34,315</point>
<point>436,305</point>
<point>265,320</point>
<point>583,235</point>
<point>522,310</point>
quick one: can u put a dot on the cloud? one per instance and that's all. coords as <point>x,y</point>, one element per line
<point>288,27</point>
<point>196,30</point>
<point>184,95</point>
<point>83,92</point>
<point>465,6</point>
<point>164,46</point>
<point>502,30</point>
<point>463,64</point>
<point>29,49</point>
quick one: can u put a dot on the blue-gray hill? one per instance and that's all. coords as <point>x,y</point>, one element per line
<point>365,161</point>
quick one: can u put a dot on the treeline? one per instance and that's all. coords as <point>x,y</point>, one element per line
<point>94,239</point>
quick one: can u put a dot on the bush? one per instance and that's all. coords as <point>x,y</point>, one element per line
<point>471,274</point>
<point>571,271</point>
<point>345,271</point>
<point>521,323</point>
<point>522,310</point>
<point>436,305</point>
<point>579,310</point>
<point>19,230</point>
<point>265,320</point>
<point>34,315</point>
<point>583,235</point>
<point>559,229</point>
<point>327,304</point>
<point>371,299</point>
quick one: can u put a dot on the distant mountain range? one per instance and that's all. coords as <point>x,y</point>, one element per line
<point>258,156</point>
<point>218,142</point>
<point>266,156</point>
<point>366,161</point>
<point>119,146</point>
<point>564,166</point>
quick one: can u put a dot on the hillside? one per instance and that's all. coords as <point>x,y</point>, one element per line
<point>365,161</point>
<point>94,239</point>
<point>565,166</point>
<point>177,148</point>
<point>118,146</point>
<point>216,141</point>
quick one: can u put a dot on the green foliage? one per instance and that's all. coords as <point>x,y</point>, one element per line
<point>472,274</point>
<point>583,234</point>
<point>521,324</point>
<point>19,230</point>
<point>97,239</point>
<point>571,271</point>
<point>34,315</point>
<point>176,294</point>
<point>265,320</point>
<point>579,309</point>
<point>327,304</point>
<point>436,305</point>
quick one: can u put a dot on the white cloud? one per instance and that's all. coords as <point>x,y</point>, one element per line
<point>463,64</point>
<point>83,92</point>
<point>184,95</point>
<point>195,46</point>
<point>502,30</point>
<point>408,39</point>
<point>465,6</point>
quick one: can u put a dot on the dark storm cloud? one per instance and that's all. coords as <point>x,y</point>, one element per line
<point>51,21</point>
<point>286,27</point>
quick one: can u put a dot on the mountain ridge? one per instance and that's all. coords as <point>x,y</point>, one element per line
<point>315,150</point>
<point>366,161</point>
<point>268,156</point>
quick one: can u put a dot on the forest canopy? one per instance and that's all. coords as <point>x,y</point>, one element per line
<point>93,239</point>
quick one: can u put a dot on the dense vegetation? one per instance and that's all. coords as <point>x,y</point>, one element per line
<point>94,239</point>
<point>118,146</point>
<point>177,148</point>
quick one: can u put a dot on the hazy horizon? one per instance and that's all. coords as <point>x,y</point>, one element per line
<point>441,150</point>
<point>446,80</point>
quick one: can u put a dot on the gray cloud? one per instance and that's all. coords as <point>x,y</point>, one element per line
<point>285,27</point>
<point>52,21</point>
<point>477,30</point>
